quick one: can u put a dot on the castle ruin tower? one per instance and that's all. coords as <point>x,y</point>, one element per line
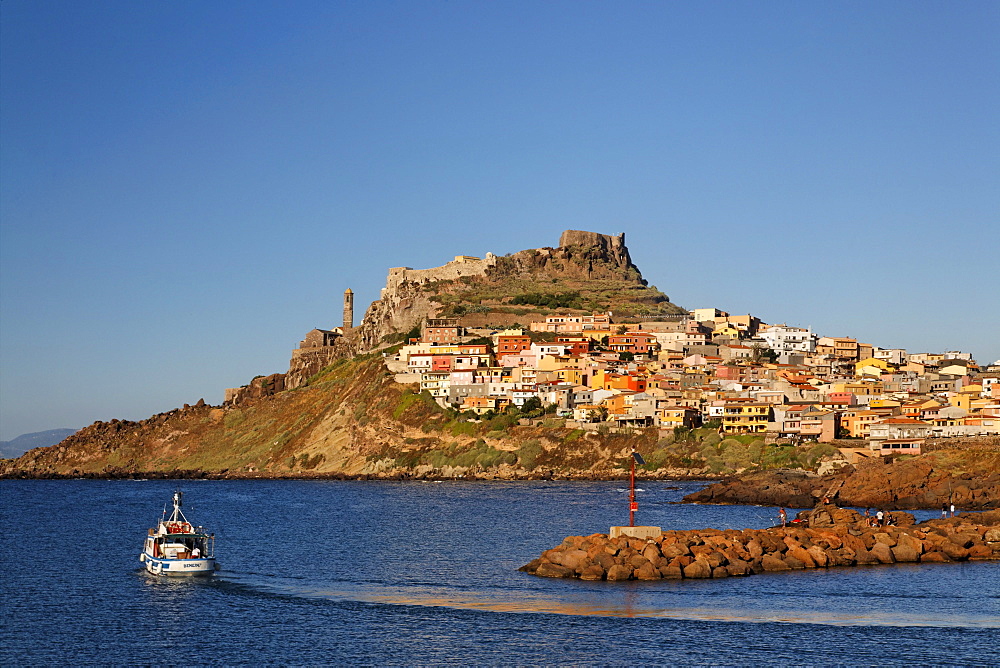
<point>348,309</point>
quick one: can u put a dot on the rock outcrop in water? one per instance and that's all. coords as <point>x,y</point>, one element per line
<point>829,537</point>
<point>971,482</point>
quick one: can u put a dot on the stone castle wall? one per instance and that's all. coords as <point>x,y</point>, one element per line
<point>448,272</point>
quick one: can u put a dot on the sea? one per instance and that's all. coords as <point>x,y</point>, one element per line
<point>425,573</point>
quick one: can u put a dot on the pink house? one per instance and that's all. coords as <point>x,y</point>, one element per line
<point>441,363</point>
<point>842,398</point>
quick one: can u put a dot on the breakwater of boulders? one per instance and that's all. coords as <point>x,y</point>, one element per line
<point>822,538</point>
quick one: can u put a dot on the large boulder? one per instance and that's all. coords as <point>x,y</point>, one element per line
<point>771,562</point>
<point>571,559</point>
<point>549,570</point>
<point>882,552</point>
<point>647,572</point>
<point>904,552</point>
<point>699,568</point>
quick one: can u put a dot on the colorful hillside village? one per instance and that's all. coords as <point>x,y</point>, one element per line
<point>708,367</point>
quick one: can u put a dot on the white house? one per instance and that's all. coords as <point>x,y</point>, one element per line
<point>785,339</point>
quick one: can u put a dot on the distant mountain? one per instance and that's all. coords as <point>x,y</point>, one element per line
<point>24,442</point>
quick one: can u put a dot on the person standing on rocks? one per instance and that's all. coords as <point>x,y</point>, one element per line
<point>782,516</point>
<point>953,510</point>
<point>944,510</point>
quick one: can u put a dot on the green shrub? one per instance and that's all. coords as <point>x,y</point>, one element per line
<point>407,399</point>
<point>528,453</point>
<point>462,428</point>
<point>779,456</point>
<point>736,456</point>
<point>717,465</point>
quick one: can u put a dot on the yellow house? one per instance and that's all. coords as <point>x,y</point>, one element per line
<point>872,366</point>
<point>571,375</point>
<point>598,378</point>
<point>596,334</point>
<point>961,400</point>
<point>445,349</point>
<point>728,331</point>
<point>745,418</point>
<point>552,362</point>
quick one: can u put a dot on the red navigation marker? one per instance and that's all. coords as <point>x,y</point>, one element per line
<point>633,506</point>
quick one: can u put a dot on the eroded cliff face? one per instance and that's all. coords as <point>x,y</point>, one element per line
<point>399,309</point>
<point>307,362</point>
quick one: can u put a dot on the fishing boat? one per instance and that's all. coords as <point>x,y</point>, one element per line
<point>176,547</point>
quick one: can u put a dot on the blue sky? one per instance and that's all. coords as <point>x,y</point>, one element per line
<point>186,188</point>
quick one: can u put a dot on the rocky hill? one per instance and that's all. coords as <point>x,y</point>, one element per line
<point>586,273</point>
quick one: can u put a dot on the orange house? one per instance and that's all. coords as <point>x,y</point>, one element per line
<point>511,344</point>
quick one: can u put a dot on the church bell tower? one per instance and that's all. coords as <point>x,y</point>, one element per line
<point>348,309</point>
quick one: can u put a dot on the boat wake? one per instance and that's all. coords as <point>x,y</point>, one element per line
<point>639,601</point>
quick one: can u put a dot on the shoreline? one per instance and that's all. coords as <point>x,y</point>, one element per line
<point>540,477</point>
<point>224,475</point>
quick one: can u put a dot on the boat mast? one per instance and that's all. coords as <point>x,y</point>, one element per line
<point>178,502</point>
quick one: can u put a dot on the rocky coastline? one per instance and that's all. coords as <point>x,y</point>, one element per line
<point>906,484</point>
<point>392,475</point>
<point>824,537</point>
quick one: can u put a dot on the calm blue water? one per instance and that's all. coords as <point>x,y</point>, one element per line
<point>425,573</point>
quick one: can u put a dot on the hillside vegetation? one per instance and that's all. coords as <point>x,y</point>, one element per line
<point>353,420</point>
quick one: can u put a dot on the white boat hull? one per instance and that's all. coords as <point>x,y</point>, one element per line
<point>181,567</point>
